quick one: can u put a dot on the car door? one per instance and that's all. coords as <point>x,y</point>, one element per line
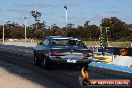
<point>42,47</point>
<point>45,45</point>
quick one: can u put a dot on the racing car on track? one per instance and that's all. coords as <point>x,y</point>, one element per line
<point>61,50</point>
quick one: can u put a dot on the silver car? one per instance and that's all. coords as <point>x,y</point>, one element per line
<point>62,50</point>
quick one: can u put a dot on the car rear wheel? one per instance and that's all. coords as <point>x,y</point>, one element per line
<point>85,66</point>
<point>36,61</point>
<point>46,63</point>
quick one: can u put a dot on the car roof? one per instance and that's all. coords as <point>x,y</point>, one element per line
<point>60,37</point>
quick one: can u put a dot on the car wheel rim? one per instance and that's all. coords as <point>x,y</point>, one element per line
<point>35,58</point>
<point>44,63</point>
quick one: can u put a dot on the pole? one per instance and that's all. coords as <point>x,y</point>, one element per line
<point>25,30</point>
<point>36,24</point>
<point>3,32</point>
<point>104,38</point>
<point>104,31</point>
<point>66,17</point>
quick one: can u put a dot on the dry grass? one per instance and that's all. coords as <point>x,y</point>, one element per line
<point>111,43</point>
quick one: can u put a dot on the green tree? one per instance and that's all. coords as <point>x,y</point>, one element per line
<point>118,30</point>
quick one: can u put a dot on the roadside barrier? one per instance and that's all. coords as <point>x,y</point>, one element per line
<point>112,70</point>
<point>101,58</point>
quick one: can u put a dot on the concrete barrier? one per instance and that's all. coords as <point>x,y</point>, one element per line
<point>101,58</point>
<point>122,60</point>
<point>20,44</point>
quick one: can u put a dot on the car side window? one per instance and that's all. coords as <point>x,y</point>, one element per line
<point>72,42</point>
<point>46,42</point>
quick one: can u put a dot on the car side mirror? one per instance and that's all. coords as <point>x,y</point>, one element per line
<point>40,43</point>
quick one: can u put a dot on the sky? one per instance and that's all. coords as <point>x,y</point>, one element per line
<point>53,11</point>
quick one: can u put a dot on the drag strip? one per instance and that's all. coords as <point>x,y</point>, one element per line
<point>65,77</point>
<point>44,74</point>
<point>14,76</point>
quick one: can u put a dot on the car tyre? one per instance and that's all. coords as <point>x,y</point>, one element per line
<point>46,63</point>
<point>36,61</point>
<point>85,66</point>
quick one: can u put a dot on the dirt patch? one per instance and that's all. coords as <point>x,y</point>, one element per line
<point>10,80</point>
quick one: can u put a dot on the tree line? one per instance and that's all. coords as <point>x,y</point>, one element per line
<point>117,30</point>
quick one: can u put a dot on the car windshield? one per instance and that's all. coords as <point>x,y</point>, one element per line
<point>67,42</point>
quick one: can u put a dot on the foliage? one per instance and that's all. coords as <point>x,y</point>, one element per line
<point>118,30</point>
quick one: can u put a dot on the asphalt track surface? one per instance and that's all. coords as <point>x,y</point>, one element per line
<point>62,76</point>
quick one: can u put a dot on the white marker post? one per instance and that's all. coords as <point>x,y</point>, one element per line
<point>25,30</point>
<point>3,32</point>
